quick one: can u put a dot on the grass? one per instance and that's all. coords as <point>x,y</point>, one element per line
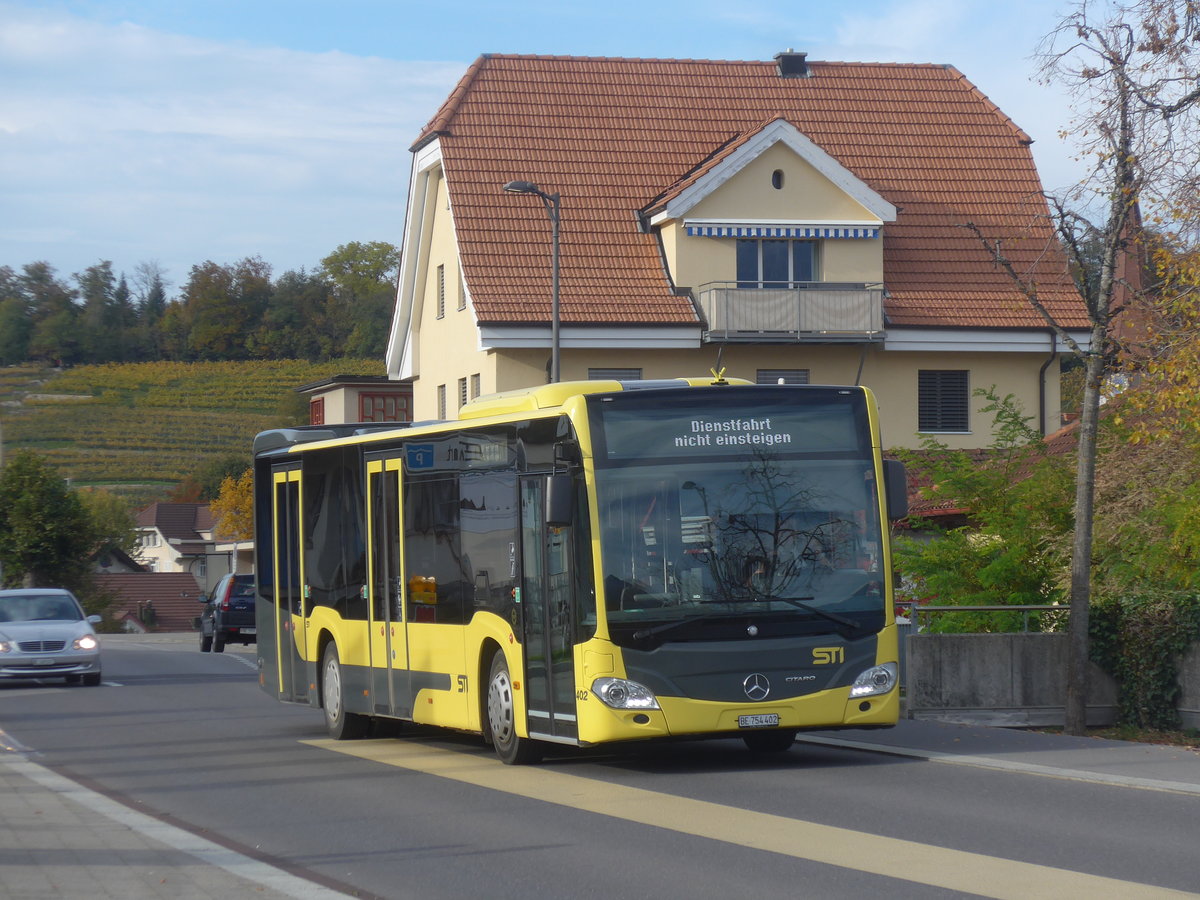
<point>143,427</point>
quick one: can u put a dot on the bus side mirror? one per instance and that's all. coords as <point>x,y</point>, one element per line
<point>895,489</point>
<point>560,496</point>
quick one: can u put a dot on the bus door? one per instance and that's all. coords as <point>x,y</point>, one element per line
<point>389,651</point>
<point>289,620</point>
<point>546,586</point>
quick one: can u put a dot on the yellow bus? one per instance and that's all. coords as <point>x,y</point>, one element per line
<point>586,562</point>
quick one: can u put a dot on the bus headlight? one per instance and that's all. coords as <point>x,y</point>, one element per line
<point>875,680</point>
<point>622,694</point>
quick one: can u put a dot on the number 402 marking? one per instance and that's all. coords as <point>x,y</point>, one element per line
<point>826,656</point>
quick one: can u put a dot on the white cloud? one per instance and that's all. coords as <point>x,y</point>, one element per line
<point>141,144</point>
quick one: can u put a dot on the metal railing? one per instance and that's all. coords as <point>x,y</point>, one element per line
<point>929,610</point>
<point>802,311</point>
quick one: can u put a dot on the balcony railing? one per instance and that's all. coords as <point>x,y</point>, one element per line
<point>805,311</point>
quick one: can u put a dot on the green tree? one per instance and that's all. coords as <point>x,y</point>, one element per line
<point>213,474</point>
<point>16,322</point>
<point>55,314</point>
<point>364,279</point>
<point>1131,70</point>
<point>112,522</point>
<point>101,332</point>
<point>1019,503</point>
<point>224,305</point>
<point>46,536</point>
<point>16,328</point>
<point>300,321</point>
<point>150,301</point>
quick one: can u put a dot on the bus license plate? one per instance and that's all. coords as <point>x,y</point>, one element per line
<point>766,720</point>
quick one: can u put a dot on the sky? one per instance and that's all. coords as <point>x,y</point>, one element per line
<point>173,132</point>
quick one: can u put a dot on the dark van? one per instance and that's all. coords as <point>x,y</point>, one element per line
<point>228,616</point>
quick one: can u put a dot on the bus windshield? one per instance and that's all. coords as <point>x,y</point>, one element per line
<point>717,546</point>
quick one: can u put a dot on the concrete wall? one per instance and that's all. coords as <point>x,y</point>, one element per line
<point>998,679</point>
<point>1189,680</point>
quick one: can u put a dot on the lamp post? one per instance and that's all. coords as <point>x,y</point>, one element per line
<point>553,207</point>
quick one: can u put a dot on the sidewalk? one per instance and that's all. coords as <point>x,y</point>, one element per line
<point>62,841</point>
<point>1121,763</point>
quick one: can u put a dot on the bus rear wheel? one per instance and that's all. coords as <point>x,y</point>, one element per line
<point>770,741</point>
<point>502,718</point>
<point>342,725</point>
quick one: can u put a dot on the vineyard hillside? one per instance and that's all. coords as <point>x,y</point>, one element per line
<point>151,425</point>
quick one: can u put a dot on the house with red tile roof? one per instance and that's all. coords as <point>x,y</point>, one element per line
<point>784,220</point>
<point>152,601</point>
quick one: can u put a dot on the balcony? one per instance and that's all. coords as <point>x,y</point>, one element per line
<point>814,311</point>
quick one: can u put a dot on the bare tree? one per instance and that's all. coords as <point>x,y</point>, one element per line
<point>1131,69</point>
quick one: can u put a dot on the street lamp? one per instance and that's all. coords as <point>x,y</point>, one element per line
<point>551,202</point>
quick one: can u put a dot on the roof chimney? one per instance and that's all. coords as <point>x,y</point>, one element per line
<point>791,64</point>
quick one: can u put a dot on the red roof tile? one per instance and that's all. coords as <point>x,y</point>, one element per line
<point>613,135</point>
<point>175,597</point>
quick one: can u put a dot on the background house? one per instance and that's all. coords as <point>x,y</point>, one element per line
<point>357,398</point>
<point>152,601</point>
<point>784,220</point>
<point>178,537</point>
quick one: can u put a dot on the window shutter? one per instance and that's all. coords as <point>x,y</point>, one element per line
<point>943,400</point>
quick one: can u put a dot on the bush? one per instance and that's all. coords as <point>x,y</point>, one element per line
<point>1140,640</point>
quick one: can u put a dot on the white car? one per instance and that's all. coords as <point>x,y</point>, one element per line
<point>45,634</point>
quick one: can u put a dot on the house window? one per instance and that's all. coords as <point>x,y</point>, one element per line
<point>201,567</point>
<point>441,291</point>
<point>474,385</point>
<point>441,401</point>
<point>782,376</point>
<point>462,290</point>
<point>614,374</point>
<point>316,411</point>
<point>775,263</point>
<point>383,408</point>
<point>777,179</point>
<point>943,400</point>
<point>462,392</point>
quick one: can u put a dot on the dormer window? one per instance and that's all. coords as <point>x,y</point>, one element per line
<point>773,263</point>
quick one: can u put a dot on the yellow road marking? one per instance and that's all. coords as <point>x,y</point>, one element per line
<point>955,870</point>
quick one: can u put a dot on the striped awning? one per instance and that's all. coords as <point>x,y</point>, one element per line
<point>798,230</point>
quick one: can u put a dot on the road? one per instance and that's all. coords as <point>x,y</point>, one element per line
<point>190,738</point>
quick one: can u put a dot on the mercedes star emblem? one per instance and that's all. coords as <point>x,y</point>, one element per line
<point>757,686</point>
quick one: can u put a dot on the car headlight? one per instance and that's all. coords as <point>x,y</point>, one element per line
<point>87,642</point>
<point>619,693</point>
<point>6,646</point>
<point>875,680</point>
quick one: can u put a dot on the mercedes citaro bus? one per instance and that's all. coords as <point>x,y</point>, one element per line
<point>586,562</point>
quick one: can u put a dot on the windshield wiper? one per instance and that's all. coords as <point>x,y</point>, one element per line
<point>671,626</point>
<point>802,603</point>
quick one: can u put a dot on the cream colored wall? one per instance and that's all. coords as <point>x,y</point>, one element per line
<point>806,195</point>
<point>447,351</point>
<point>891,376</point>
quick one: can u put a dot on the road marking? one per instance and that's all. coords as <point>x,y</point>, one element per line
<point>1008,765</point>
<point>955,870</point>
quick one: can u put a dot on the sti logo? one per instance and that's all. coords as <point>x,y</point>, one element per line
<point>827,656</point>
<point>419,456</point>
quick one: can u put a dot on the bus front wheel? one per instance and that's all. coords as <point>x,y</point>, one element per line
<point>342,725</point>
<point>502,718</point>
